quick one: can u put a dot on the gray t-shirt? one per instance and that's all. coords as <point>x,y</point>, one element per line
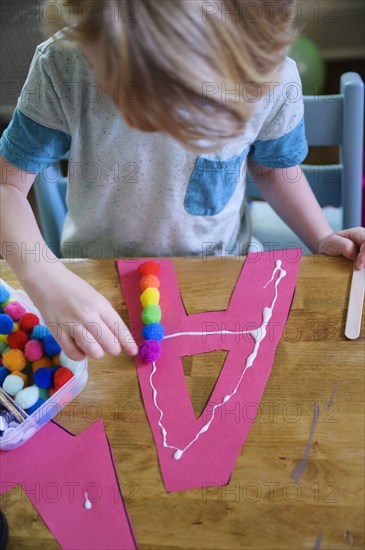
<point>144,194</point>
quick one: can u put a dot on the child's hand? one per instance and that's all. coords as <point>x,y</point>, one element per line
<point>80,318</point>
<point>348,242</point>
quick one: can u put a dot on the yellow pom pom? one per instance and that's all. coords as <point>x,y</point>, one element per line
<point>3,337</point>
<point>14,359</point>
<point>150,296</point>
<point>16,326</point>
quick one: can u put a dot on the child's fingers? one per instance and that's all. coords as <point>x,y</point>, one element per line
<point>87,342</point>
<point>360,260</point>
<point>120,331</point>
<point>355,234</point>
<point>105,337</point>
<point>70,348</point>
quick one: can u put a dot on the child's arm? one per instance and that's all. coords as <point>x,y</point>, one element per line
<point>288,192</point>
<point>80,318</point>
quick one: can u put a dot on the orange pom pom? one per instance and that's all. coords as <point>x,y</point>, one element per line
<point>14,359</point>
<point>42,363</point>
<point>149,281</point>
<point>56,360</point>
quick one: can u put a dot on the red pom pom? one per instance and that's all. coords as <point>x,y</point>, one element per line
<point>28,321</point>
<point>18,339</point>
<point>149,268</point>
<point>61,376</point>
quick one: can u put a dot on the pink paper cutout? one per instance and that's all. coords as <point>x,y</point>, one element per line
<point>54,469</point>
<point>210,460</point>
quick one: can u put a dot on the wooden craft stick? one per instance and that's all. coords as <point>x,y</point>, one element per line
<point>356,300</point>
<point>9,404</point>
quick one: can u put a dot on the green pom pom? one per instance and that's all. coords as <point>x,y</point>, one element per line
<point>151,314</point>
<point>43,394</point>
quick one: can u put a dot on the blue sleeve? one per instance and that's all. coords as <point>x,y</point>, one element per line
<point>32,146</point>
<point>287,150</point>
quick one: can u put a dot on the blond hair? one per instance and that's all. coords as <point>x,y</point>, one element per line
<point>183,59</point>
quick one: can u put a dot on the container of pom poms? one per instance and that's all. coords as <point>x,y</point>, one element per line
<point>38,379</point>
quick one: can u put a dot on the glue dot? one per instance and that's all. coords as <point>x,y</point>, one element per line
<point>178,454</point>
<point>87,503</point>
<point>226,398</point>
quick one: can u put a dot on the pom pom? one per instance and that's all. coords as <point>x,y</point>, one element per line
<point>149,268</point>
<point>28,321</point>
<point>151,314</point>
<point>150,351</point>
<point>149,281</point>
<point>43,378</point>
<point>18,339</point>
<point>154,331</point>
<point>43,393</point>
<point>150,296</point>
<point>33,350</point>
<point>27,397</point>
<point>69,363</point>
<point>56,360</point>
<point>45,362</point>
<point>52,391</point>
<point>3,337</point>
<point>39,332</point>
<point>51,346</point>
<point>13,384</point>
<point>36,406</point>
<point>21,375</point>
<point>14,359</point>
<point>15,310</point>
<point>16,326</point>
<point>4,294</point>
<point>6,323</point>
<point>4,372</point>
<point>61,376</point>
<point>3,346</point>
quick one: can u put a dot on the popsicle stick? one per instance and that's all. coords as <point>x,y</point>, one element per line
<point>9,404</point>
<point>356,300</point>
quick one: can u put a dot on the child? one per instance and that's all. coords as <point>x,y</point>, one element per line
<point>161,106</point>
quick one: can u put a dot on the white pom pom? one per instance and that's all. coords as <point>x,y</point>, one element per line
<point>27,397</point>
<point>13,384</point>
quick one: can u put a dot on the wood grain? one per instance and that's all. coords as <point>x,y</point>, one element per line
<point>261,508</point>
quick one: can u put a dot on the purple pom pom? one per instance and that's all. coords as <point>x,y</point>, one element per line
<point>150,351</point>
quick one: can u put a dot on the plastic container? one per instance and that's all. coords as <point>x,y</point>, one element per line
<point>15,437</point>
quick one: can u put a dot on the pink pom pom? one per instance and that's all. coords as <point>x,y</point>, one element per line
<point>15,310</point>
<point>33,350</point>
<point>150,351</point>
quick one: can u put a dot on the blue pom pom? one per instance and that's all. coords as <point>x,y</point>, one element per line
<point>43,377</point>
<point>153,331</point>
<point>3,374</point>
<point>4,294</point>
<point>51,346</point>
<point>6,324</point>
<point>39,332</point>
<point>54,369</point>
<point>36,406</point>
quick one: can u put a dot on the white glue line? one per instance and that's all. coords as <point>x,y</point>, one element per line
<point>257,334</point>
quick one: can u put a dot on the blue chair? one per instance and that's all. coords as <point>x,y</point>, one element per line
<point>329,120</point>
<point>334,120</point>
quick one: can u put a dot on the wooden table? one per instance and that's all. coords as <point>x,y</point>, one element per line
<point>262,507</point>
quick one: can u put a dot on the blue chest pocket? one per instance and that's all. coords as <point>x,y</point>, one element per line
<point>212,184</point>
